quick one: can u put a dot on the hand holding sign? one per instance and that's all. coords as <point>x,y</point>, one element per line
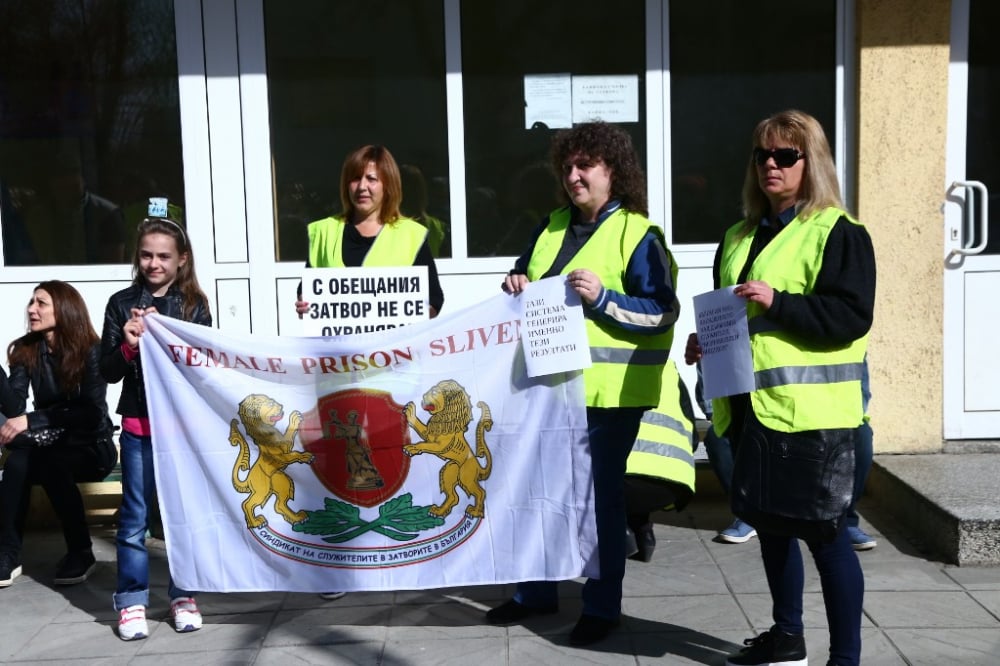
<point>552,328</point>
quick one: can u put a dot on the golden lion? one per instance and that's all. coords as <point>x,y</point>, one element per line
<point>267,476</point>
<point>444,436</point>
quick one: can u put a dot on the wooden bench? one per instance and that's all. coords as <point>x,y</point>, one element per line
<point>101,501</point>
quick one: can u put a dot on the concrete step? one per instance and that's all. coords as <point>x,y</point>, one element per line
<point>948,501</point>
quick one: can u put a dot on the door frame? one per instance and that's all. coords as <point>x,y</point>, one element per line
<point>961,421</point>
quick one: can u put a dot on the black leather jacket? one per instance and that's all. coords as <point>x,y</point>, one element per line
<point>83,413</point>
<point>114,367</point>
<point>11,404</point>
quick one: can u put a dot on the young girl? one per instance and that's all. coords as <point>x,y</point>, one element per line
<point>164,282</point>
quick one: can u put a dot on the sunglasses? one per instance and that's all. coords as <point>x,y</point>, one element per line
<point>783,157</point>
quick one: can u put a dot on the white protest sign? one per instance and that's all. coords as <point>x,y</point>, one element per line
<point>721,322</point>
<point>345,301</point>
<point>552,328</point>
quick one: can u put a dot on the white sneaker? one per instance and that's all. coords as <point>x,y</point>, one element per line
<point>132,623</point>
<point>331,596</point>
<point>186,615</point>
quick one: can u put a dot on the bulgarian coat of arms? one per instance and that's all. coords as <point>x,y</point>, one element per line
<point>358,444</point>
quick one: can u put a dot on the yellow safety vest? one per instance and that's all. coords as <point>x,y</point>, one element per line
<point>627,366</point>
<point>663,449</point>
<point>397,243</point>
<point>798,387</point>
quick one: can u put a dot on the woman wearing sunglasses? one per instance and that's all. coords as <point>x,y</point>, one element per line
<point>807,272</point>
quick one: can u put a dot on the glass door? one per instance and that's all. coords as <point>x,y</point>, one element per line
<point>972,226</point>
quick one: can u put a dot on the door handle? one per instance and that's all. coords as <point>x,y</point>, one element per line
<point>970,207</point>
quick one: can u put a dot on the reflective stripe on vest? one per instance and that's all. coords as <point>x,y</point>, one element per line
<point>809,374</point>
<point>614,351</point>
<point>663,448</point>
<point>397,243</point>
<point>662,451</point>
<point>797,388</point>
<point>629,356</point>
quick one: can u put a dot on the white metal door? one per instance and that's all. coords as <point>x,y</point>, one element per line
<point>972,227</point>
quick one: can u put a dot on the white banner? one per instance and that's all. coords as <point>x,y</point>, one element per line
<point>419,457</point>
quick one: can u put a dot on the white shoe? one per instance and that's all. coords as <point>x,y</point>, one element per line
<point>331,596</point>
<point>186,615</point>
<point>132,623</point>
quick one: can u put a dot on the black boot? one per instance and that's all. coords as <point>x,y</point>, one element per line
<point>645,542</point>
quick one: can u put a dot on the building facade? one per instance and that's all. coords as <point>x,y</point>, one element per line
<point>242,112</point>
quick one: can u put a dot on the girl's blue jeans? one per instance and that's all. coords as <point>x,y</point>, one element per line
<point>138,499</point>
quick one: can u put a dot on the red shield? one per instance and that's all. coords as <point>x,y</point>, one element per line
<point>357,437</point>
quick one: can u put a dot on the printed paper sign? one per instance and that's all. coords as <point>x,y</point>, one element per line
<point>346,301</point>
<point>614,99</point>
<point>548,100</point>
<point>554,335</point>
<point>721,322</point>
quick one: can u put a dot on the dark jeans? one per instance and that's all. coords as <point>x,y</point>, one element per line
<point>57,469</point>
<point>840,578</point>
<point>138,502</point>
<point>720,456</point>
<point>863,452</point>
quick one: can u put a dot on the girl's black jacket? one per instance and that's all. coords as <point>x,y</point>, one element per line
<point>114,366</point>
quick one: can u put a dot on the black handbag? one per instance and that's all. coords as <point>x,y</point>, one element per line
<point>795,484</point>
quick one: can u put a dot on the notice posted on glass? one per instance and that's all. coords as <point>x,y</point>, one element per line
<point>721,323</point>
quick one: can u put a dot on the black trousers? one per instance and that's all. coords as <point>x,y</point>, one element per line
<point>57,469</point>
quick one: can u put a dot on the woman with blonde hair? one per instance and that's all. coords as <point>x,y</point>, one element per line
<point>806,269</point>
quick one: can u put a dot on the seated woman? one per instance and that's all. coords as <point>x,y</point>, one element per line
<point>66,439</point>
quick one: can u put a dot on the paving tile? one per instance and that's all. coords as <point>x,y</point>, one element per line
<point>933,647</point>
<point>758,609</point>
<point>218,633</point>
<point>673,580</point>
<point>927,609</point>
<point>313,600</point>
<point>686,647</point>
<point>693,603</point>
<point>679,613</point>
<point>93,661</point>
<point>234,657</point>
<point>15,635</point>
<point>480,593</point>
<point>241,602</point>
<point>878,650</point>
<point>555,625</point>
<point>905,576</point>
<point>990,599</point>
<point>79,640</point>
<point>440,621</point>
<point>975,578</point>
<point>340,624</point>
<point>460,651</point>
<point>368,653</point>
<point>744,574</point>
<point>555,651</point>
